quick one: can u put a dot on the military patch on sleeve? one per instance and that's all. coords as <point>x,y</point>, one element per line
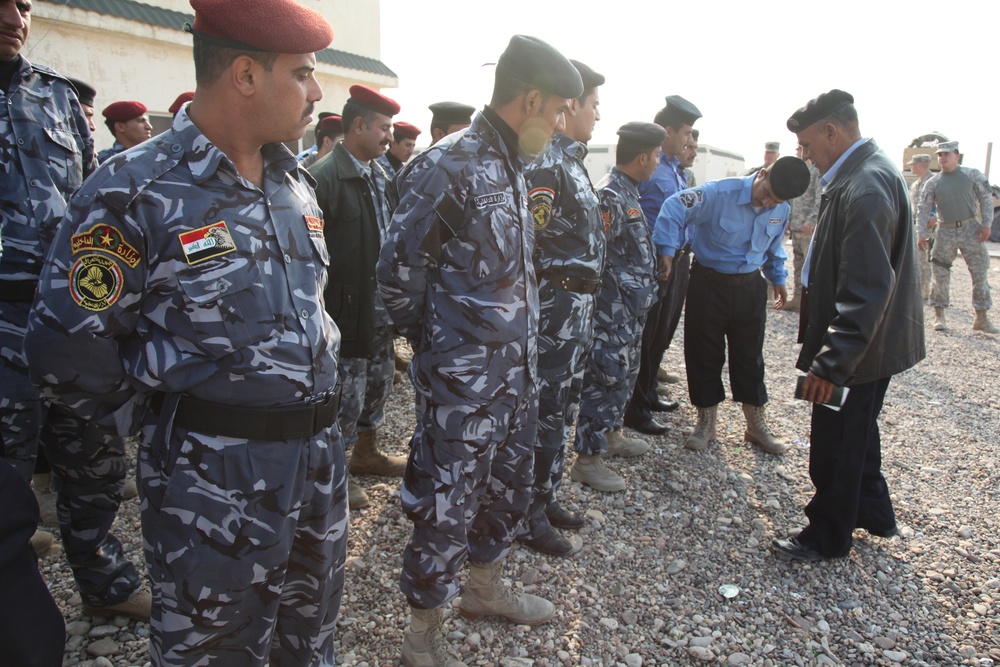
<point>105,238</point>
<point>206,242</point>
<point>541,206</point>
<point>691,198</point>
<point>95,282</point>
<point>606,218</point>
<point>634,214</point>
<point>313,223</point>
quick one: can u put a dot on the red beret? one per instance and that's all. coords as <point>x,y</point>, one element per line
<point>331,123</point>
<point>278,26</point>
<point>369,99</point>
<point>120,112</point>
<point>180,101</point>
<point>406,130</point>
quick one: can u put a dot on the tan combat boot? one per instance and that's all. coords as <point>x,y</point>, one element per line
<point>139,607</point>
<point>366,459</point>
<point>982,323</point>
<point>424,644</point>
<point>41,484</point>
<point>663,375</point>
<point>758,431</point>
<point>356,496</point>
<point>704,430</point>
<point>620,444</point>
<point>486,594</point>
<point>41,542</point>
<point>590,470</point>
<point>939,323</point>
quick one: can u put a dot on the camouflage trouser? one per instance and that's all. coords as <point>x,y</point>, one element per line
<point>800,248</point>
<point>565,334</point>
<point>88,471</point>
<point>365,387</point>
<point>245,543</point>
<point>611,373</point>
<point>948,242</point>
<point>926,271</point>
<point>21,409</point>
<point>466,490</point>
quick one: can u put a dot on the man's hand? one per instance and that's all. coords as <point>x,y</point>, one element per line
<point>817,390</point>
<point>808,228</point>
<point>780,297</point>
<point>922,244</point>
<point>984,234</point>
<point>666,266</point>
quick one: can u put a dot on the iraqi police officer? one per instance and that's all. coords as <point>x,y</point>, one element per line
<point>628,286</point>
<point>183,295</point>
<point>48,150</point>
<point>448,117</point>
<point>400,150</point>
<point>960,195</point>
<point>128,122</point>
<point>457,277</point>
<point>568,257</point>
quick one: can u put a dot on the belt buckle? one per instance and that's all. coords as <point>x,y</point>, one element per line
<point>321,399</point>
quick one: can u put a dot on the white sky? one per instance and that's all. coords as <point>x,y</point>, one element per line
<point>912,67</point>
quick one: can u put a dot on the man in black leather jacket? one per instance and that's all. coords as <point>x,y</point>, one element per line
<point>863,324</point>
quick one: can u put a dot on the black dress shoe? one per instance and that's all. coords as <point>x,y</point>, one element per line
<point>562,518</point>
<point>552,543</point>
<point>664,405</point>
<point>892,531</point>
<point>795,550</point>
<point>648,426</point>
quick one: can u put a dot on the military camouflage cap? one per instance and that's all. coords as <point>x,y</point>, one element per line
<point>451,113</point>
<point>538,64</point>
<point>818,108</point>
<point>920,157</point>
<point>641,136</point>
<point>771,147</point>
<point>591,79</point>
<point>84,91</point>
<point>789,178</point>
<point>947,147</point>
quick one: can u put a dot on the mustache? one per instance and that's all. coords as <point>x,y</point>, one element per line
<point>309,110</point>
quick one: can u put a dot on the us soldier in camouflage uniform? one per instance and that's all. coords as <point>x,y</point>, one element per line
<point>628,287</point>
<point>920,167</point>
<point>183,295</point>
<point>568,257</point>
<point>801,223</point>
<point>957,192</point>
<point>46,150</point>
<point>457,277</point>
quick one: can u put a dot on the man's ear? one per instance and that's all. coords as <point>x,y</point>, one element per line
<point>243,72</point>
<point>574,106</point>
<point>532,102</point>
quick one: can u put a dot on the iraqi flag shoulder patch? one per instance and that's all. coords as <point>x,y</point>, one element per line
<point>206,242</point>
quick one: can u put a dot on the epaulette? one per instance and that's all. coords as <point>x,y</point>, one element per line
<point>121,188</point>
<point>48,71</point>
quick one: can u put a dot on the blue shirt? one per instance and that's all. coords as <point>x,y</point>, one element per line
<point>732,236</point>
<point>668,178</point>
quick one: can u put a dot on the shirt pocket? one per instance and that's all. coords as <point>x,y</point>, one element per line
<point>64,158</point>
<point>229,308</point>
<point>764,234</point>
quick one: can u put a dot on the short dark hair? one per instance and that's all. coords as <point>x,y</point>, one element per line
<point>586,93</point>
<point>846,117</point>
<point>354,110</point>
<point>110,125</point>
<point>507,88</point>
<point>625,154</point>
<point>211,60</point>
<point>322,134</point>
<point>694,134</point>
<point>664,118</point>
<point>398,136</point>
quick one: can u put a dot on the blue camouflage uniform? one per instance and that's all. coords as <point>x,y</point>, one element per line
<point>46,150</point>
<point>108,153</point>
<point>457,278</point>
<point>182,298</point>
<point>628,287</point>
<point>568,258</point>
<point>727,296</point>
<point>390,165</point>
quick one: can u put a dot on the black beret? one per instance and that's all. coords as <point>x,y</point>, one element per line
<point>451,113</point>
<point>591,79</point>
<point>84,91</point>
<point>818,108</point>
<point>641,136</point>
<point>789,178</point>
<point>677,112</point>
<point>536,63</point>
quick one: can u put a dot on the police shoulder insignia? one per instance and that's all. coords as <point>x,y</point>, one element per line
<point>634,213</point>
<point>606,218</point>
<point>541,206</point>
<point>313,223</point>
<point>206,242</point>
<point>105,238</point>
<point>691,198</point>
<point>95,282</point>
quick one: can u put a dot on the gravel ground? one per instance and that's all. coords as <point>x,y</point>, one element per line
<point>645,589</point>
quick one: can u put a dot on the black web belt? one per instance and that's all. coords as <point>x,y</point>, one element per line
<point>291,422</point>
<point>729,279</point>
<point>571,283</point>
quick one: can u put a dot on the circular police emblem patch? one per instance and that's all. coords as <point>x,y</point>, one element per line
<point>95,282</point>
<point>541,206</point>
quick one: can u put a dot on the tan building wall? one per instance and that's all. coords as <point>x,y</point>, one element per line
<point>127,59</point>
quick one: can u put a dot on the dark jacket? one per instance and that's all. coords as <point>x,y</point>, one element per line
<point>352,238</point>
<point>865,314</point>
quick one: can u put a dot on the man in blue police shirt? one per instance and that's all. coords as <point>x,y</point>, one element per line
<point>740,227</point>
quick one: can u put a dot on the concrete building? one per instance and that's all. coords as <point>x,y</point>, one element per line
<point>131,50</point>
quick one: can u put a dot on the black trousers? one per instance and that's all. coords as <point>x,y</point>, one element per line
<point>717,314</point>
<point>32,631</point>
<point>845,465</point>
<point>657,334</point>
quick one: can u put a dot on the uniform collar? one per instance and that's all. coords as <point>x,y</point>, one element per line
<point>569,147</point>
<point>626,181</point>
